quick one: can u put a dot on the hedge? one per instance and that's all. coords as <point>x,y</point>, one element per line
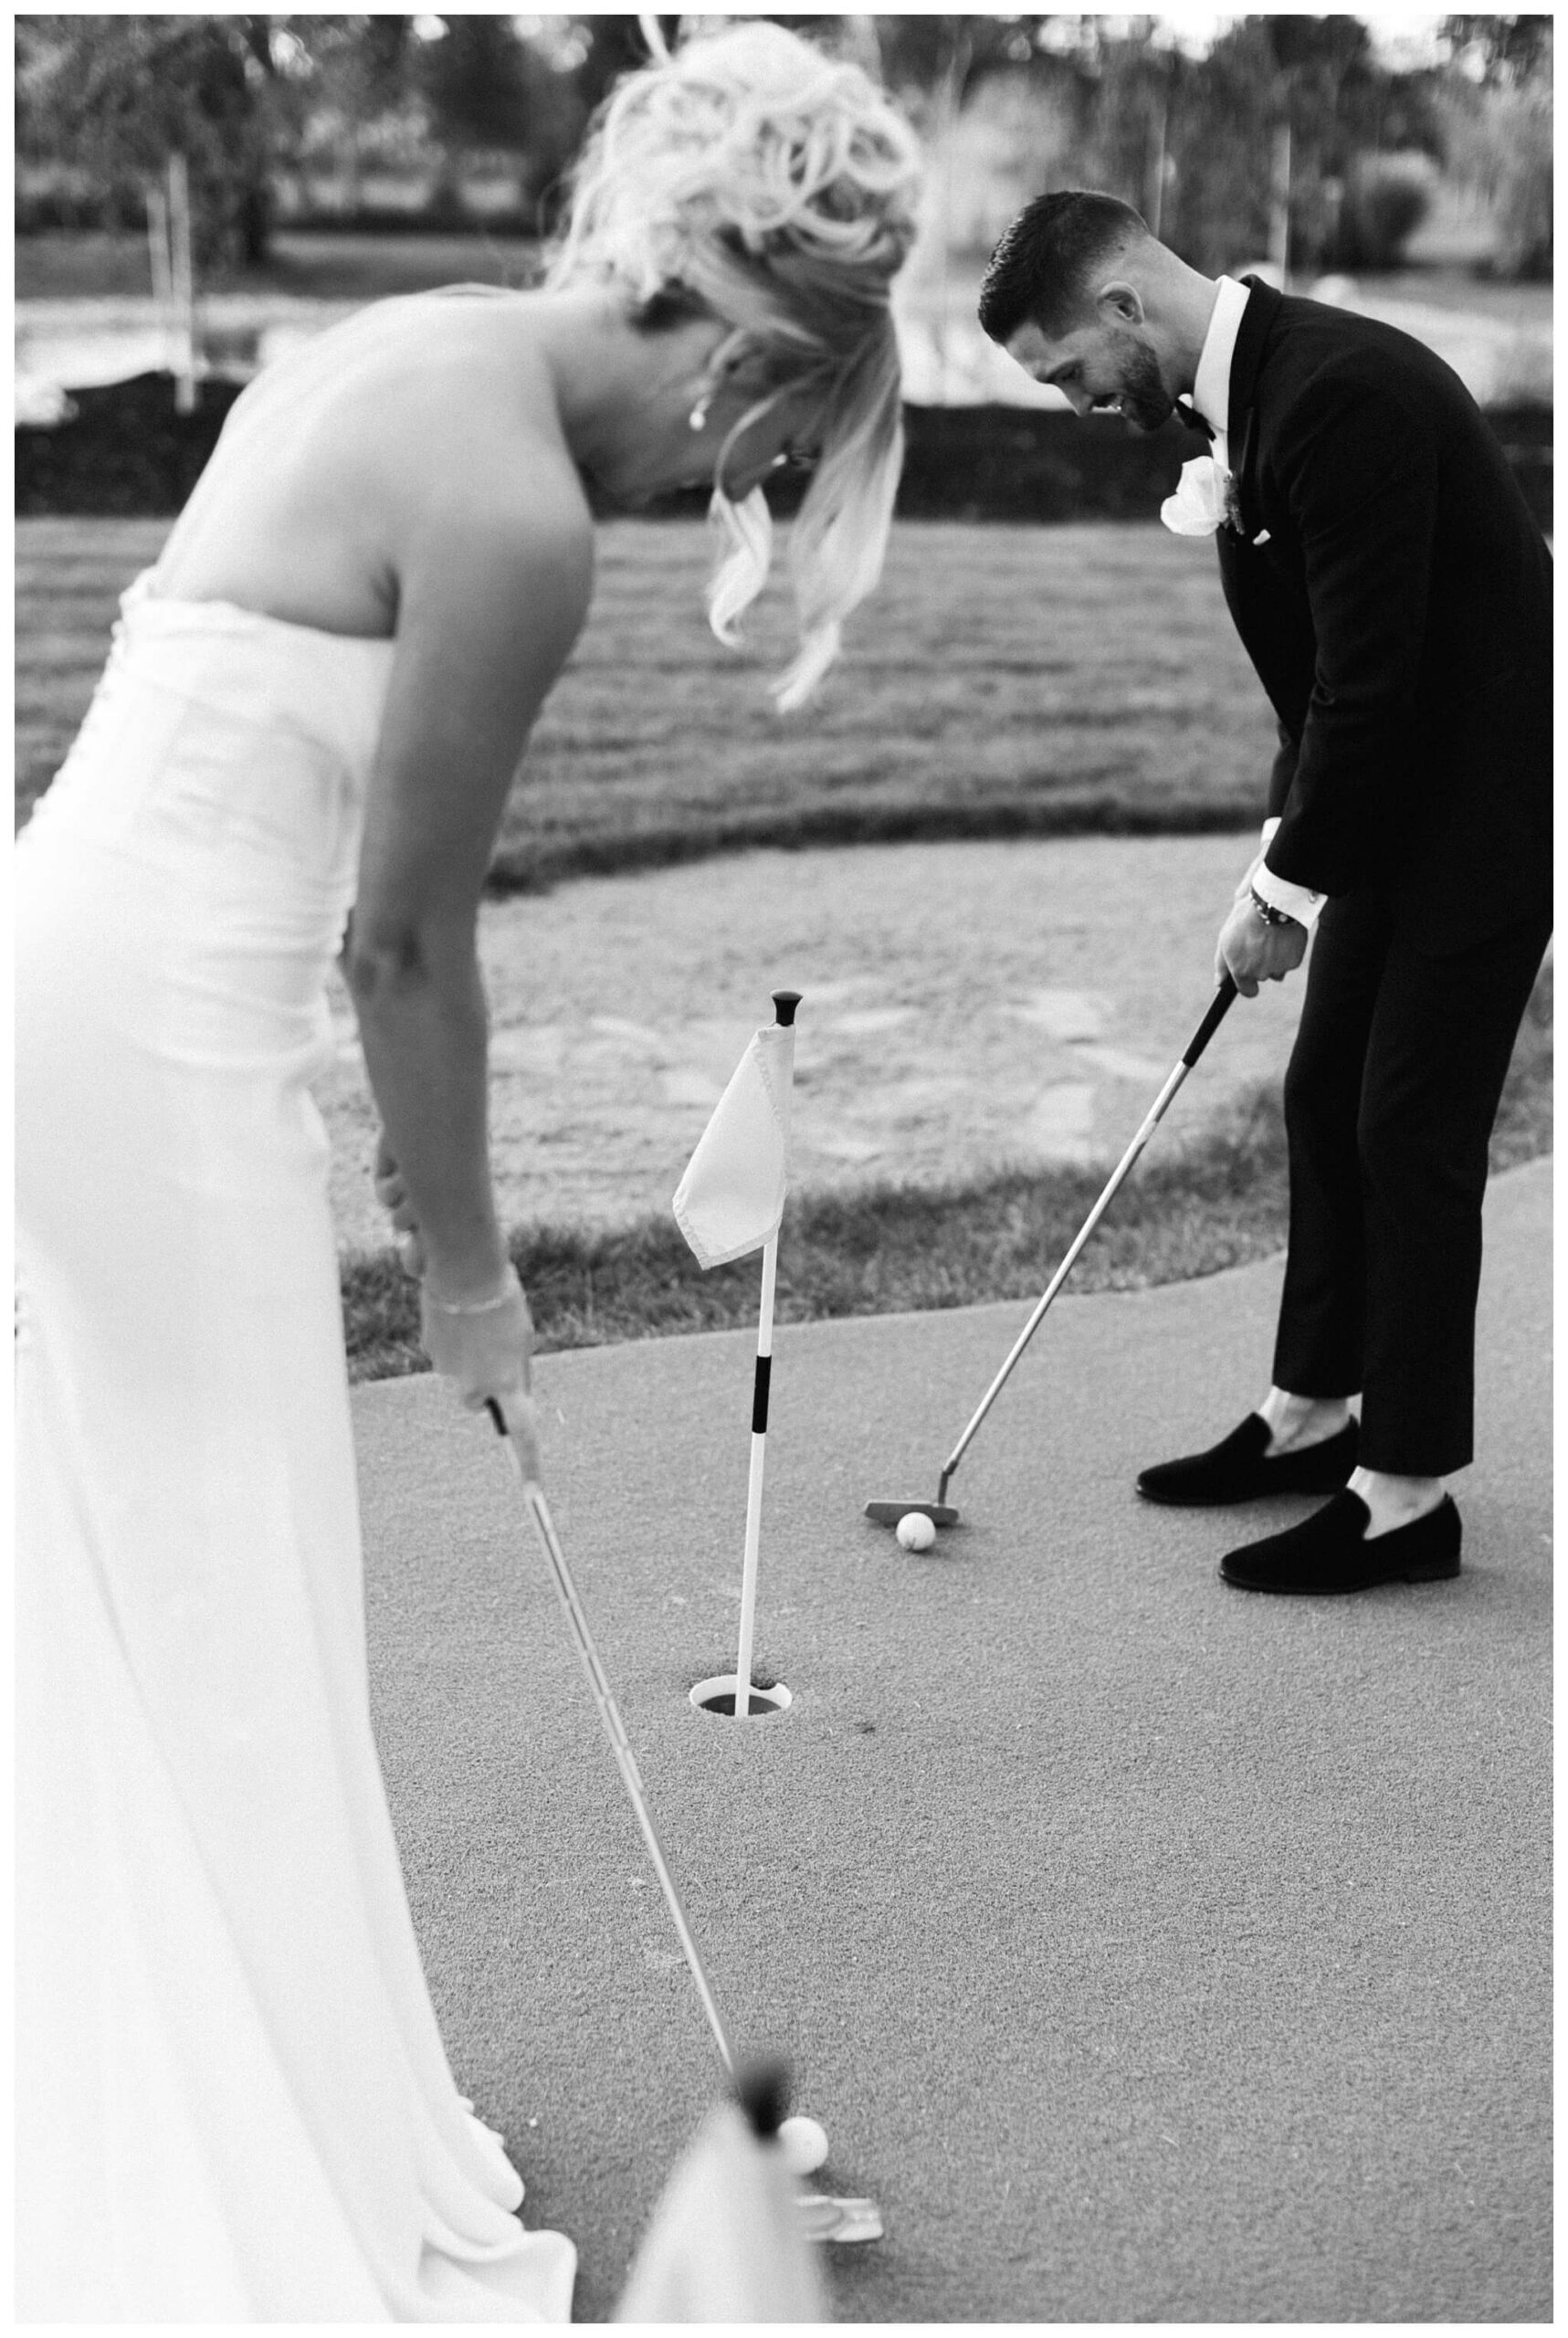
<point>128,454</point>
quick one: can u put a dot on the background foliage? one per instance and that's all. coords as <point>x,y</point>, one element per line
<point>432,120</point>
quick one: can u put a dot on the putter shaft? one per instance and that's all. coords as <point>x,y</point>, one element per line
<point>615,1728</point>
<point>1221,1001</point>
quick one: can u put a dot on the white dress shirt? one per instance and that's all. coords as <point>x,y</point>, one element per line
<point>1211,388</point>
<point>1211,397</point>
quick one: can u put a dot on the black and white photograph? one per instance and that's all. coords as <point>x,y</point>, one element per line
<point>783,1040</point>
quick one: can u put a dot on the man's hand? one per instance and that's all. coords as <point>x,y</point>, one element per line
<point>1251,951</point>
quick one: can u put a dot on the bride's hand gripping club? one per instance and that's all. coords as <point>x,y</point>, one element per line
<point>484,1346</point>
<point>486,1349</point>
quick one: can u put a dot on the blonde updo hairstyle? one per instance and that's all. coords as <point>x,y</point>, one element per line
<point>753,177</point>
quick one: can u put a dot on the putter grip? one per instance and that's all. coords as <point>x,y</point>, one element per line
<point>1211,1022</point>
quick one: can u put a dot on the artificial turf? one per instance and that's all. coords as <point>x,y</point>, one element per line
<point>1151,1952</point>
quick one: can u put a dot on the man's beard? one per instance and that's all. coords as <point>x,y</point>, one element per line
<point>1145,401</point>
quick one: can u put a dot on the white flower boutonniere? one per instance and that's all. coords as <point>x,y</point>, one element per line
<point>1204,500</point>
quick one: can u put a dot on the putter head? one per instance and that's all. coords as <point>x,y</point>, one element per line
<point>826,2218</point>
<point>888,1513</point>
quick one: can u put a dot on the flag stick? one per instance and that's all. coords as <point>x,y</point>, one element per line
<point>754,1487</point>
<point>729,1203</point>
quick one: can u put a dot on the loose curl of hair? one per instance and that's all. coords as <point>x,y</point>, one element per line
<point>752,177</point>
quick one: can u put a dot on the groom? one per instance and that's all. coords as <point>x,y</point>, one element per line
<point>1394,593</point>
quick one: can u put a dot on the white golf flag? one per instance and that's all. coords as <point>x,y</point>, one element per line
<point>727,2241</point>
<point>733,1195</point>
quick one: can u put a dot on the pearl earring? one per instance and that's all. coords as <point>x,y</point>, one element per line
<point>698,418</point>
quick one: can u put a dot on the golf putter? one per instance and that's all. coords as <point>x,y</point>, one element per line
<point>759,2088</point>
<point>941,1513</point>
<point>609,1713</point>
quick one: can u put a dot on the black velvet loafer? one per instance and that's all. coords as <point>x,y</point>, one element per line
<point>1237,1468</point>
<point>1329,1552</point>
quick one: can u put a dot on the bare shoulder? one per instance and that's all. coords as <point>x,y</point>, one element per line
<point>415,446</point>
<point>489,541</point>
<point>473,469</point>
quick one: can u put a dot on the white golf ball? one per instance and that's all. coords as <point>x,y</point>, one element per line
<point>805,2145</point>
<point>915,1531</point>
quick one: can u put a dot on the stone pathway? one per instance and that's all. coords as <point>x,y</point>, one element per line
<point>964,1005</point>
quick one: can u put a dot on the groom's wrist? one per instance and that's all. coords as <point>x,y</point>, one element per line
<point>1287,899</point>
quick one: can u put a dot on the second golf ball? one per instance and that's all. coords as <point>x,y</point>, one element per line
<point>915,1531</point>
<point>805,2145</point>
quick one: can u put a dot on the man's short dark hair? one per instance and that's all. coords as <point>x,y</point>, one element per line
<point>1040,268</point>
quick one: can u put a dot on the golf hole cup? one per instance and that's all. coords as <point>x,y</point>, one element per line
<point>915,1531</point>
<point>717,1695</point>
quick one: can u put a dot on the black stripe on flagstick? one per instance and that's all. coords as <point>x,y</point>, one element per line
<point>760,1396</point>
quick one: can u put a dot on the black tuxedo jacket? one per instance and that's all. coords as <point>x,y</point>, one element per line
<point>1395,595</point>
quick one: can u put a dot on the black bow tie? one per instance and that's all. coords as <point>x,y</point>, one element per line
<point>1195,420</point>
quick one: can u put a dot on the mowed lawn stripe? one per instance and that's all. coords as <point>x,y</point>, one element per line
<point>1003,680</point>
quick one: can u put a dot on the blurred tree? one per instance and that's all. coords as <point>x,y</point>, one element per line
<point>1323,109</point>
<point>1497,110</point>
<point>490,91</point>
<point>476,83</point>
<point>1125,87</point>
<point>609,47</point>
<point>115,96</point>
<point>1222,116</point>
<point>1231,155</point>
<point>941,59</point>
<point>347,92</point>
<point>1501,49</point>
<point>1287,133</point>
<point>358,65</point>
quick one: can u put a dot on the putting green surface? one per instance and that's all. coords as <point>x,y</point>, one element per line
<point>1149,1950</point>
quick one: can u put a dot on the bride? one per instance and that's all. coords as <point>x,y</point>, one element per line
<point>234,2103</point>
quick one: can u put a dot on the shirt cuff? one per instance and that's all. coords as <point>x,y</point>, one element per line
<point>1297,900</point>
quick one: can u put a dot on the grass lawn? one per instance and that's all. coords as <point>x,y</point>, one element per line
<point>1003,681</point>
<point>1006,680</point>
<point>62,265</point>
<point>888,1251</point>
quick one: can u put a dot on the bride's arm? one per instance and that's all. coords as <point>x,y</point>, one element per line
<point>493,586</point>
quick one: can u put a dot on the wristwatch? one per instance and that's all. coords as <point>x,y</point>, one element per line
<point>1269,913</point>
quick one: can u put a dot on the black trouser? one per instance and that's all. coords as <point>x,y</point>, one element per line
<point>1389,1097</point>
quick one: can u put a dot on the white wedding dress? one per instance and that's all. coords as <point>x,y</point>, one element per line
<point>233,2100</point>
